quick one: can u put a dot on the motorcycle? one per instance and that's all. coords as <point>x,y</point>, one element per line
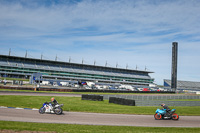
<point>162,114</point>
<point>48,108</point>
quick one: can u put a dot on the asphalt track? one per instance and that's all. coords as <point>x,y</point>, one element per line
<point>24,115</point>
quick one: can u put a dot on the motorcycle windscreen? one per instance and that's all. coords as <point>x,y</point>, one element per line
<point>173,110</point>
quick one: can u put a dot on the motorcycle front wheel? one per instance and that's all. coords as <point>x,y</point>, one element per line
<point>175,116</point>
<point>158,116</point>
<point>42,110</point>
<point>58,111</point>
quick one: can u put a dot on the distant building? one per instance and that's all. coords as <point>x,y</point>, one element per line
<point>186,85</point>
<point>20,67</point>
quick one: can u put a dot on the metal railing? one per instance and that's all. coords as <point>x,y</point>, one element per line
<point>168,103</point>
<point>156,100</point>
<point>154,97</point>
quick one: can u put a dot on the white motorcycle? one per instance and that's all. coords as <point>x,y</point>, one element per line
<point>48,108</point>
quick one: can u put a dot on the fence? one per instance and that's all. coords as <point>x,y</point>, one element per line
<point>169,103</point>
<point>153,97</point>
<point>156,100</point>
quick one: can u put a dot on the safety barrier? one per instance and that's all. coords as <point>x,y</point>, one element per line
<point>168,103</point>
<point>122,101</point>
<point>170,100</point>
<point>153,97</point>
<point>92,97</point>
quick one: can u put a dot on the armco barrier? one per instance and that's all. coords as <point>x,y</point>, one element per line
<point>156,100</point>
<point>168,103</point>
<point>153,97</point>
<point>92,97</point>
<point>122,101</point>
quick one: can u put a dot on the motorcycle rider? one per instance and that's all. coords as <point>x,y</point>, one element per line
<point>53,102</point>
<point>168,110</point>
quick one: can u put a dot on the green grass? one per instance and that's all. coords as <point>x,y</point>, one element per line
<point>18,79</point>
<point>16,90</point>
<point>70,128</point>
<point>75,104</point>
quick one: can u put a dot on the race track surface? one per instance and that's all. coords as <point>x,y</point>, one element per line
<point>25,115</point>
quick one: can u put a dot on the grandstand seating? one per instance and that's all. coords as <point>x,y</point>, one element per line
<point>184,84</point>
<point>78,71</point>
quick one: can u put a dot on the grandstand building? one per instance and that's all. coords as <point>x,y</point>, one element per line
<point>21,67</point>
<point>184,85</point>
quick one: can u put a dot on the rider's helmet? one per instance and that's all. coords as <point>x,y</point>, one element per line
<point>162,105</point>
<point>52,99</point>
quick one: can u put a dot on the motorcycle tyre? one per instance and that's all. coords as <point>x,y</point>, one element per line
<point>59,112</point>
<point>157,117</point>
<point>176,118</point>
<point>42,110</point>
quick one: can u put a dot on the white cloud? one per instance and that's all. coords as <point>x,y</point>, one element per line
<point>138,32</point>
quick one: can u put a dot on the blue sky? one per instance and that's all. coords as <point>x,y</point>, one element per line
<point>137,33</point>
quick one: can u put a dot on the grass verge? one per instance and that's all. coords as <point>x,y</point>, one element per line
<point>75,104</point>
<point>18,79</point>
<point>70,128</point>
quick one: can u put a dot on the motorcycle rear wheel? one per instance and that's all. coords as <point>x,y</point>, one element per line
<point>175,116</point>
<point>157,117</point>
<point>58,111</point>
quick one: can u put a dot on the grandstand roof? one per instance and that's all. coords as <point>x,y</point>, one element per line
<point>72,64</point>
